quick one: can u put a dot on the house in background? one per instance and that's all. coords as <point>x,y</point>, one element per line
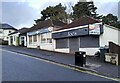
<point>6,29</point>
<point>18,38</point>
<point>40,35</point>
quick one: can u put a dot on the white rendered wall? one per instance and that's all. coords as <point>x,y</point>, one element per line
<point>64,50</point>
<point>5,34</point>
<point>89,51</point>
<point>109,34</point>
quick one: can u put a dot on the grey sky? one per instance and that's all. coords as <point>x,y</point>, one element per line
<point>23,13</point>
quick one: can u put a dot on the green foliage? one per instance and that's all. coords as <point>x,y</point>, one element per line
<point>85,8</point>
<point>112,20</point>
<point>55,13</point>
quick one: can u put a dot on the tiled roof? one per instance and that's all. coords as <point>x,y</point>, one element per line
<point>85,20</point>
<point>47,23</point>
<point>21,31</point>
<point>6,26</point>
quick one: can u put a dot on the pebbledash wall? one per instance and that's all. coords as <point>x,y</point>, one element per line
<point>84,38</point>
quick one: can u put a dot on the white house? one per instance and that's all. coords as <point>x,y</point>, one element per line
<point>6,29</point>
<point>18,38</point>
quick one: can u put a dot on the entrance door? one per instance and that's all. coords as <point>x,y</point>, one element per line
<point>74,44</point>
<point>11,40</point>
<point>22,41</point>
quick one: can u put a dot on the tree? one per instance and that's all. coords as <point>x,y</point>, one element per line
<point>69,10</point>
<point>55,13</point>
<point>112,20</point>
<point>85,8</point>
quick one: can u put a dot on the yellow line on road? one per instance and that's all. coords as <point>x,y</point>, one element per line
<point>68,67</point>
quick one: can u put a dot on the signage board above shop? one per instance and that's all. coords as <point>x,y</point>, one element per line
<point>45,30</point>
<point>32,33</point>
<point>95,29</point>
<point>40,31</point>
<point>71,33</point>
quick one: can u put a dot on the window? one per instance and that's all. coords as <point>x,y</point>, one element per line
<point>35,38</point>
<point>43,40</point>
<point>9,31</point>
<point>46,38</point>
<point>49,40</point>
<point>30,39</point>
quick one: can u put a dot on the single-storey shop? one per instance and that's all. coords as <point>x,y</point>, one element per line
<point>85,34</point>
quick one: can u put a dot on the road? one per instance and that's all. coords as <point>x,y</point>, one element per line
<point>18,67</point>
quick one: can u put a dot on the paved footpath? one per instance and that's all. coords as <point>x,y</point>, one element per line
<point>93,64</point>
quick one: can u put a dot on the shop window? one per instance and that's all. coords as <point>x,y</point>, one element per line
<point>30,39</point>
<point>45,38</point>
<point>35,38</point>
<point>49,40</point>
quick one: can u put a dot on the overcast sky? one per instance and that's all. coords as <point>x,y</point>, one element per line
<point>22,13</point>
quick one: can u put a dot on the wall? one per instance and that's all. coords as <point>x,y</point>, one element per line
<point>15,39</point>
<point>89,51</point>
<point>65,50</point>
<point>109,34</point>
<point>6,32</point>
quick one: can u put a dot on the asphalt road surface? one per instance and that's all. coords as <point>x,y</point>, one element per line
<point>17,67</point>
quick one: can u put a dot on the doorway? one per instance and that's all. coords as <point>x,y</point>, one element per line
<point>74,44</point>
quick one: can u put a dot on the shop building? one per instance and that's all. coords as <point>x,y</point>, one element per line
<point>40,35</point>
<point>80,35</point>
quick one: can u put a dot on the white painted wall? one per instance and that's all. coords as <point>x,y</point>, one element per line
<point>89,51</point>
<point>46,46</point>
<point>110,34</point>
<point>4,34</point>
<point>15,41</point>
<point>64,50</point>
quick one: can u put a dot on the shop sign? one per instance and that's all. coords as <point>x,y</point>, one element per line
<point>45,30</point>
<point>94,29</point>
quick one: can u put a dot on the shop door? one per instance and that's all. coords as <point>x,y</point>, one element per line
<point>74,45</point>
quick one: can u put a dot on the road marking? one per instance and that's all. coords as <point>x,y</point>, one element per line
<point>65,66</point>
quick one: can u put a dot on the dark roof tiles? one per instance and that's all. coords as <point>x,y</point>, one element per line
<point>47,23</point>
<point>6,26</point>
<point>85,20</point>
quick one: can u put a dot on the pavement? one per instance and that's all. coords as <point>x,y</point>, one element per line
<point>93,64</point>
